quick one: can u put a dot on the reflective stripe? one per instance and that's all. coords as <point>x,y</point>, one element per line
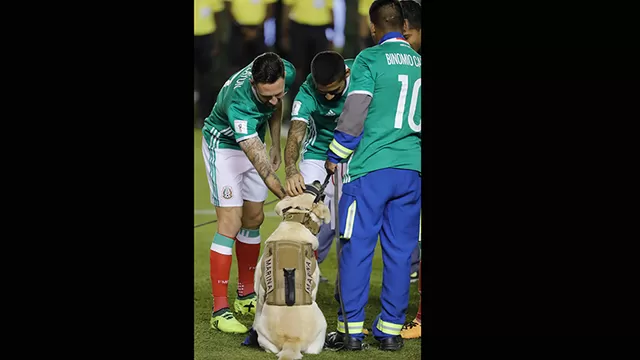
<point>351,217</point>
<point>354,327</point>
<point>389,328</point>
<point>339,150</point>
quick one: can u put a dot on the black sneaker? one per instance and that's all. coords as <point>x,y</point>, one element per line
<point>336,341</point>
<point>392,343</point>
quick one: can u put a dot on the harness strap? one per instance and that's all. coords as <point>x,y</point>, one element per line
<point>304,219</point>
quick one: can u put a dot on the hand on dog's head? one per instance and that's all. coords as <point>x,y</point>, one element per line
<point>319,212</point>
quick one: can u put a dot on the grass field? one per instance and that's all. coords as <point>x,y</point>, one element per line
<point>211,344</point>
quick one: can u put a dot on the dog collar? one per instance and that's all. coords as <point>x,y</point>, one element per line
<point>302,218</point>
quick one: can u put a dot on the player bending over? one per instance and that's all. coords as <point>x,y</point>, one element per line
<point>314,116</point>
<point>239,173</point>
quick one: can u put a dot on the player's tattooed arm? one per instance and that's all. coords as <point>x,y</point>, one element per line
<point>294,180</point>
<point>254,149</point>
<point>297,131</point>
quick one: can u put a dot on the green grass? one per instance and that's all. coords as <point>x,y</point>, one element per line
<point>211,344</point>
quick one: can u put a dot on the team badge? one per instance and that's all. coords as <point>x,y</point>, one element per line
<point>227,193</point>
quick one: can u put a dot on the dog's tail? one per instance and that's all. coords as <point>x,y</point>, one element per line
<point>290,349</point>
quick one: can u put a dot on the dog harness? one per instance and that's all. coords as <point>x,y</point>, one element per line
<point>301,217</point>
<point>288,266</point>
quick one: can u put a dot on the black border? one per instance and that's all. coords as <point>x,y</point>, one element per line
<point>500,148</point>
<point>527,148</point>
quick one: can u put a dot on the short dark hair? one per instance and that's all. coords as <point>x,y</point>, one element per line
<point>412,11</point>
<point>387,14</point>
<point>327,67</point>
<point>267,68</point>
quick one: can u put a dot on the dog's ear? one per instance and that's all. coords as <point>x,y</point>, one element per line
<point>282,204</point>
<point>321,211</point>
<point>326,214</point>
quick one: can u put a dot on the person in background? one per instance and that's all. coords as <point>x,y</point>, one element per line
<point>205,46</point>
<point>304,34</point>
<point>363,29</point>
<point>337,35</point>
<point>412,11</point>
<point>247,30</point>
<point>413,33</point>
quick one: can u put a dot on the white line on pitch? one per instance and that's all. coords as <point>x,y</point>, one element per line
<point>213,212</point>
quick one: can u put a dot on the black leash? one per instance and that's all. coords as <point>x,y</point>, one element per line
<point>320,195</point>
<point>339,255</point>
<point>338,277</point>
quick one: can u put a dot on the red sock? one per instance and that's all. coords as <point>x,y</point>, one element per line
<point>219,268</point>
<point>419,314</point>
<point>315,252</point>
<point>247,253</point>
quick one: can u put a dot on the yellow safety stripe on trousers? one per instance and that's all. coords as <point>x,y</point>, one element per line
<point>389,328</point>
<point>354,327</point>
<point>351,217</point>
<point>340,150</point>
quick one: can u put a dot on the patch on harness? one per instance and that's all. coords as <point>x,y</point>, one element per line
<point>268,273</point>
<point>283,260</point>
<point>308,284</point>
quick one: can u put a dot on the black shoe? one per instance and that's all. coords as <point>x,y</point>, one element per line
<point>336,341</point>
<point>392,343</point>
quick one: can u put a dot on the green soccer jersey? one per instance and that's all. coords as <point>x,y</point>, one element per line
<point>392,134</point>
<point>238,113</point>
<point>321,116</point>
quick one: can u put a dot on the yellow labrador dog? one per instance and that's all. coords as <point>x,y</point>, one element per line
<point>288,320</point>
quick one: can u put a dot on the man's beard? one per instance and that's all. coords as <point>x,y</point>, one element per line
<point>336,97</point>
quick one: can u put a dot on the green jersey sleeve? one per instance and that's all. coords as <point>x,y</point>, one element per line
<point>243,123</point>
<point>362,77</point>
<point>304,104</point>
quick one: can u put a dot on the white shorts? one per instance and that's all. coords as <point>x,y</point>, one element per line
<point>312,170</point>
<point>232,178</point>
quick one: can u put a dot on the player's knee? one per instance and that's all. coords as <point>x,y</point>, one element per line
<point>229,223</point>
<point>252,220</point>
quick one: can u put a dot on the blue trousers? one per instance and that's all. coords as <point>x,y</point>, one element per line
<point>384,203</point>
<point>325,240</point>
